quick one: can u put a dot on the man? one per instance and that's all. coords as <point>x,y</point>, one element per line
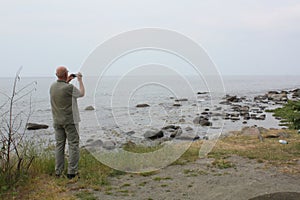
<point>65,120</point>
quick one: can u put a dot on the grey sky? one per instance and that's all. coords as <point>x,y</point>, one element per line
<point>241,36</point>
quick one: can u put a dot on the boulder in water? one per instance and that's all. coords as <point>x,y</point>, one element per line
<point>35,126</point>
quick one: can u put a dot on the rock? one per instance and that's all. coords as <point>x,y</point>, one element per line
<point>188,137</point>
<point>143,105</point>
<point>244,122</point>
<point>261,98</point>
<point>154,134</point>
<point>89,140</point>
<point>35,126</point>
<point>176,104</point>
<point>278,196</point>
<point>183,99</point>
<point>130,133</point>
<point>89,108</point>
<point>176,133</point>
<point>181,120</point>
<point>218,108</point>
<point>97,143</point>
<point>261,117</point>
<point>202,121</point>
<point>170,127</point>
<point>253,116</point>
<point>202,93</point>
<point>109,145</point>
<point>188,128</point>
<point>296,93</point>
<point>275,96</point>
<point>234,118</point>
<point>232,98</point>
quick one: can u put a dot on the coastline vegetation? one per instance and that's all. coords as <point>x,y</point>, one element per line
<point>289,114</point>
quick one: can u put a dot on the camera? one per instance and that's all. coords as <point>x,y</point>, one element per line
<point>73,75</point>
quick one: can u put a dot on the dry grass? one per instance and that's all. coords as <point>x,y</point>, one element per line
<point>94,175</point>
<point>285,157</point>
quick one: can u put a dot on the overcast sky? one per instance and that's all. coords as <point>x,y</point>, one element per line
<point>241,36</point>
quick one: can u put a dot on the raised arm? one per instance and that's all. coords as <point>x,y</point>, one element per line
<point>81,86</point>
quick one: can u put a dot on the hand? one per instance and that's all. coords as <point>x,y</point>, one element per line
<point>70,78</point>
<point>79,76</point>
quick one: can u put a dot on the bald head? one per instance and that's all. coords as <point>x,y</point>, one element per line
<point>62,73</point>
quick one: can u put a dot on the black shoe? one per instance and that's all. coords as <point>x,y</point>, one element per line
<point>71,176</point>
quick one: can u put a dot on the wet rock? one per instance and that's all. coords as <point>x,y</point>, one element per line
<point>235,99</point>
<point>202,93</point>
<point>35,126</point>
<point>253,116</point>
<point>234,118</point>
<point>181,120</point>
<point>89,108</point>
<point>174,127</point>
<point>183,99</point>
<point>152,135</point>
<point>261,117</point>
<point>142,105</point>
<point>176,133</point>
<point>296,93</point>
<point>109,145</point>
<point>188,128</point>
<point>90,140</point>
<point>188,137</point>
<point>176,104</point>
<point>95,143</point>
<point>261,99</point>
<point>277,97</point>
<point>130,133</point>
<point>202,121</point>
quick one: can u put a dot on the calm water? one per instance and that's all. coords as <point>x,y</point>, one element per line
<point>115,100</point>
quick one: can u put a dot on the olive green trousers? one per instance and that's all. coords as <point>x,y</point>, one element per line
<point>63,133</point>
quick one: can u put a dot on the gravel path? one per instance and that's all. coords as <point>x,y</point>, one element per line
<point>200,180</point>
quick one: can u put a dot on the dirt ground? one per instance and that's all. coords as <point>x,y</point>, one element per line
<point>200,180</point>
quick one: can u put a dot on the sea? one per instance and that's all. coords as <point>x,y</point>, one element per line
<point>172,101</point>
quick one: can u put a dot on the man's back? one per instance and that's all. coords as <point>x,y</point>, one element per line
<point>64,103</point>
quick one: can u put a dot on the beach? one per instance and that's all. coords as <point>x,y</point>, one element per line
<point>153,116</point>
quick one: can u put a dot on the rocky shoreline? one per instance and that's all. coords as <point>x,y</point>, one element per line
<point>231,109</point>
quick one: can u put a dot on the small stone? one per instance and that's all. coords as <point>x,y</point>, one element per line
<point>188,128</point>
<point>109,145</point>
<point>143,105</point>
<point>154,134</point>
<point>130,133</point>
<point>89,108</point>
<point>176,104</point>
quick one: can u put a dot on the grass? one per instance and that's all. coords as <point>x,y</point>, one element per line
<point>269,151</point>
<point>40,183</point>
